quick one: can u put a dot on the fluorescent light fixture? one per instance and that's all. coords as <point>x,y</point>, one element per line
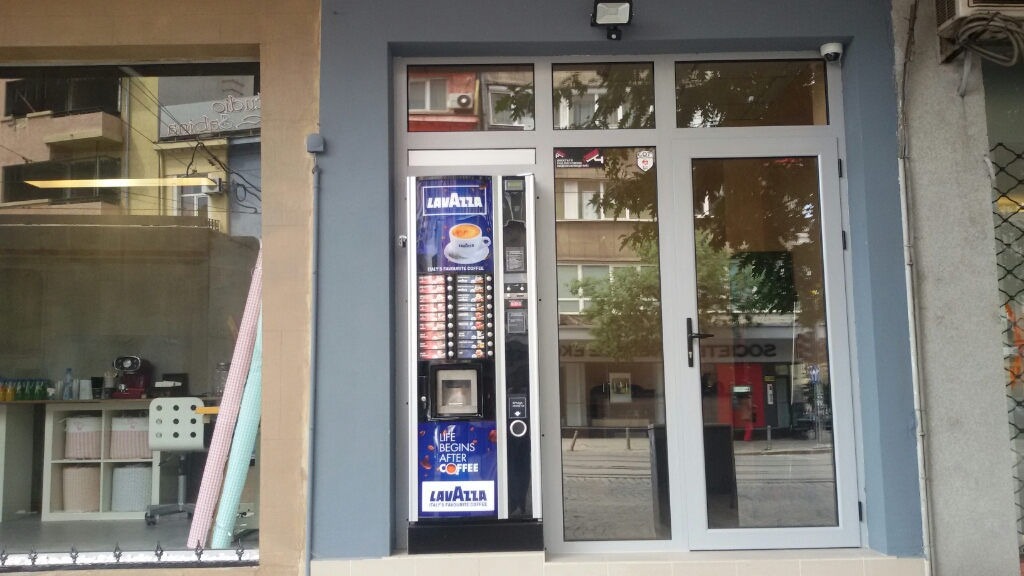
<point>123,182</point>
<point>612,15</point>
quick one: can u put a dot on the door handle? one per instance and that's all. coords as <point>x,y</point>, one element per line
<point>690,337</point>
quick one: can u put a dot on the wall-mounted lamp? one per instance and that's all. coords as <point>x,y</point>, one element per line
<point>612,15</point>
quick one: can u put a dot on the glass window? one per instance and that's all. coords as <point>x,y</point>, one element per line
<point>614,453</point>
<point>470,98</point>
<point>751,93</point>
<point>603,96</point>
<point>149,218</point>
<point>765,370</point>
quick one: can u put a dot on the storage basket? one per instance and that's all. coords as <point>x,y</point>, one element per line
<point>82,439</point>
<point>129,438</point>
<point>81,488</point>
<point>132,488</point>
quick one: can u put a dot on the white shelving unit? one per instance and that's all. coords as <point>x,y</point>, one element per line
<point>54,461</point>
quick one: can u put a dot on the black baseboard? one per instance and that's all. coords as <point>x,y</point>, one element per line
<point>476,536</point>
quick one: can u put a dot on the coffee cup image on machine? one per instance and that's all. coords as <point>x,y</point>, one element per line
<point>467,244</point>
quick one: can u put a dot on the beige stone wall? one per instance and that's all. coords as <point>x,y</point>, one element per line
<point>285,36</point>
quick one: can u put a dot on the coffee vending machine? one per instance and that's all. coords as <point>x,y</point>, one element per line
<point>474,446</point>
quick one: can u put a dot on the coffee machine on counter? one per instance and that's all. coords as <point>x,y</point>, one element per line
<point>135,377</point>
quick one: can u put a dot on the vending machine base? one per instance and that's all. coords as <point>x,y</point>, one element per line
<point>446,537</point>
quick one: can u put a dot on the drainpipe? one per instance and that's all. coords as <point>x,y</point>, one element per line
<point>314,146</point>
<point>915,372</point>
<point>912,316</point>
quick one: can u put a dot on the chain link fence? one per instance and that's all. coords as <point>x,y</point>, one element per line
<point>1008,210</point>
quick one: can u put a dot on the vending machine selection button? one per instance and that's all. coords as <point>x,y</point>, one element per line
<point>517,428</point>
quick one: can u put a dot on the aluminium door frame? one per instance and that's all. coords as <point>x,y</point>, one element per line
<point>544,139</point>
<point>679,277</point>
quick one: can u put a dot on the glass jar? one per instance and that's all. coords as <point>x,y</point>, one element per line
<point>220,378</point>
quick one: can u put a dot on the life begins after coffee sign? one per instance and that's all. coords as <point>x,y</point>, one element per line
<point>454,225</point>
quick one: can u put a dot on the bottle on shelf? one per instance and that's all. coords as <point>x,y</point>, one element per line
<point>66,390</point>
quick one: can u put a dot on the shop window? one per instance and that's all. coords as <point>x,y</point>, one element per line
<point>611,376</point>
<point>759,270</point>
<point>603,96</point>
<point>470,98</point>
<point>751,93</point>
<point>128,257</point>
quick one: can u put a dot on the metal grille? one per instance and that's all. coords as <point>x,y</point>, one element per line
<point>1008,209</point>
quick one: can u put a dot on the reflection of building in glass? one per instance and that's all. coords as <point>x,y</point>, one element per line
<point>140,131</point>
<point>468,98</point>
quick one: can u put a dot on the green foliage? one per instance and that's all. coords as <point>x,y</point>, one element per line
<point>519,102</point>
<point>626,86</point>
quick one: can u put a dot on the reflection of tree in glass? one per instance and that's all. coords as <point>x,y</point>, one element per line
<point>619,88</point>
<point>764,211</point>
<point>747,94</point>
<point>518,102</point>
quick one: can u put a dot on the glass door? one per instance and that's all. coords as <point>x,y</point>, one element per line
<point>760,338</point>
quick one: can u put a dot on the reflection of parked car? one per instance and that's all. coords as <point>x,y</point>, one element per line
<point>807,422</point>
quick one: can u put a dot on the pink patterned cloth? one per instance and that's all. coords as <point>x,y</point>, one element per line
<point>220,445</point>
<point>129,439</point>
<point>82,438</point>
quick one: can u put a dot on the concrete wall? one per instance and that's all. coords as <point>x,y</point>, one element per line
<point>80,296</point>
<point>960,332</point>
<point>355,387</point>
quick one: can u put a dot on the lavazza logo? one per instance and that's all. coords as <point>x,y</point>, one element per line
<point>467,496</point>
<point>453,200</point>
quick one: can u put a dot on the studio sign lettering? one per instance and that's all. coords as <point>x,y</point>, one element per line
<point>227,115</point>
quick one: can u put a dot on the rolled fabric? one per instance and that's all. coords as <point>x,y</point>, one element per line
<point>241,447</point>
<point>220,445</point>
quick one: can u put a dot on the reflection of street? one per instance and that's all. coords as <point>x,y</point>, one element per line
<point>790,484</point>
<point>606,489</point>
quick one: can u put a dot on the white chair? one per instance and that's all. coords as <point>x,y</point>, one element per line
<point>175,425</point>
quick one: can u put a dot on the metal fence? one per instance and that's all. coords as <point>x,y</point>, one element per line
<point>1008,210</point>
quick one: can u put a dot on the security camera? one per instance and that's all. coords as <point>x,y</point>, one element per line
<point>832,51</point>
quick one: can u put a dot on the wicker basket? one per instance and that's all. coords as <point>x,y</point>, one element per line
<point>81,488</point>
<point>132,488</point>
<point>83,437</point>
<point>129,439</point>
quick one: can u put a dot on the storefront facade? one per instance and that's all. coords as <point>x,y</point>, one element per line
<point>710,175</point>
<point>419,48</point>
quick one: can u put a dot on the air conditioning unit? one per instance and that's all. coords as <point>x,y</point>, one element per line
<point>949,12</point>
<point>216,188</point>
<point>460,101</point>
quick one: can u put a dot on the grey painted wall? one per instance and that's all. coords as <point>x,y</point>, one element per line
<point>966,431</point>
<point>352,475</point>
